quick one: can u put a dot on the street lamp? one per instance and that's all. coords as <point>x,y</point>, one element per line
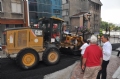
<point>88,15</point>
<point>109,28</point>
<point>88,18</point>
<point>76,29</point>
<point>83,26</point>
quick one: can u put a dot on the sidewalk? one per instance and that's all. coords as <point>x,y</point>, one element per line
<point>116,74</point>
<point>112,67</point>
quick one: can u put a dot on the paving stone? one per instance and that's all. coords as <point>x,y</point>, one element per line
<point>112,67</point>
<point>117,73</point>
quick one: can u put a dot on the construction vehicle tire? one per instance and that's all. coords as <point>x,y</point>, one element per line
<point>27,59</point>
<point>51,56</point>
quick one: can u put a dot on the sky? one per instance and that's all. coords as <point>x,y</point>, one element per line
<point>110,11</point>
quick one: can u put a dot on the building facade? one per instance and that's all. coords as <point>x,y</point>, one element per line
<point>66,12</point>
<point>39,9</point>
<point>57,8</point>
<point>43,8</point>
<point>73,9</point>
<point>96,16</point>
<point>11,15</point>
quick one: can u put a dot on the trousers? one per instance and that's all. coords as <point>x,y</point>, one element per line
<point>103,71</point>
<point>91,72</point>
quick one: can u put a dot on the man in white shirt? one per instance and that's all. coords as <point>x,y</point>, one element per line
<point>82,48</point>
<point>107,50</point>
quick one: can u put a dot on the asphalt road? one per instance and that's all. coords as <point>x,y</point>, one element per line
<point>9,69</point>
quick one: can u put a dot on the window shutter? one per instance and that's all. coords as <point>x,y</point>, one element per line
<point>19,8</point>
<point>14,7</point>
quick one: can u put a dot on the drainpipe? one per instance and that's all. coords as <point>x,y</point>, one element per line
<point>26,15</point>
<point>69,15</point>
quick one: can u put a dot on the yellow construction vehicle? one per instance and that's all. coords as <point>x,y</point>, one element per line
<point>28,45</point>
<point>71,43</point>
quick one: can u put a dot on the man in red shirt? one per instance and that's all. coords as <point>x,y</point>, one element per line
<point>92,58</point>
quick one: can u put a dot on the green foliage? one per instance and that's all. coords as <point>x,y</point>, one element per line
<point>105,26</point>
<point>100,33</point>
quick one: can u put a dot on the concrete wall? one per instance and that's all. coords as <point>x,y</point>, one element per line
<point>75,6</point>
<point>95,18</point>
<point>2,27</point>
<point>75,22</point>
<point>65,10</point>
<point>8,14</point>
<point>84,5</point>
<point>7,10</point>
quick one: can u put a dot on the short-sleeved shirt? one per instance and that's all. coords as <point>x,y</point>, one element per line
<point>93,54</point>
<point>83,47</point>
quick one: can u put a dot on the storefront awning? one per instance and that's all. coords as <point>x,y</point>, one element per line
<point>11,21</point>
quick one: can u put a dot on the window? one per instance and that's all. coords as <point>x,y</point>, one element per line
<point>66,1</point>
<point>55,2</point>
<point>33,6</point>
<point>32,0</point>
<point>0,5</point>
<point>65,12</point>
<point>16,7</point>
<point>56,11</point>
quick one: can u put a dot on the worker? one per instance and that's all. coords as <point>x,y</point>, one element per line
<point>56,34</point>
<point>64,29</point>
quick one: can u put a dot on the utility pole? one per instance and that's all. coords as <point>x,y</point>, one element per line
<point>83,26</point>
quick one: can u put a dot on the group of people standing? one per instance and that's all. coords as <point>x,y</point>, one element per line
<point>94,58</point>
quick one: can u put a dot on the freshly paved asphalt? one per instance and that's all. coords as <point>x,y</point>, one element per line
<point>9,69</point>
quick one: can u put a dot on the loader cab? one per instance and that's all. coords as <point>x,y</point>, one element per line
<point>51,28</point>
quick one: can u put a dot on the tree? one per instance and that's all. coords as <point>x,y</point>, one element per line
<point>100,33</point>
<point>105,26</point>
